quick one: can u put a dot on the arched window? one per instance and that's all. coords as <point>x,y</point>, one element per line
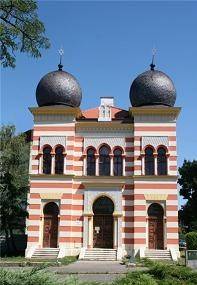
<point>118,162</point>
<point>47,160</point>
<point>91,162</point>
<point>161,161</point>
<point>59,160</point>
<point>149,161</point>
<point>104,161</point>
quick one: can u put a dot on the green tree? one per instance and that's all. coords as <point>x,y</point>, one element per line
<point>20,30</point>
<point>14,181</point>
<point>188,183</point>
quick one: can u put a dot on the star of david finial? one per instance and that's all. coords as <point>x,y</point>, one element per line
<point>61,52</point>
<point>152,65</point>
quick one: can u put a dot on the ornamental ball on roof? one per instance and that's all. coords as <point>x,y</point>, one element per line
<point>58,88</point>
<point>152,87</point>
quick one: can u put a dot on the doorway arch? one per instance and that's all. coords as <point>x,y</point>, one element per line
<point>155,226</point>
<point>103,221</point>
<point>50,227</point>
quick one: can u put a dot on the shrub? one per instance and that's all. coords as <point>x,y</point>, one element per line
<point>173,274</point>
<point>26,277</point>
<point>135,278</point>
<point>191,240</point>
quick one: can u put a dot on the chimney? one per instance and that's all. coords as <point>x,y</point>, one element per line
<point>105,109</point>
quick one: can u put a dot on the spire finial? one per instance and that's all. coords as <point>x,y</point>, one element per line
<point>61,52</point>
<point>152,65</point>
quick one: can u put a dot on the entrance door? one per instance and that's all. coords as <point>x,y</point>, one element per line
<point>50,229</point>
<point>155,227</point>
<point>103,209</point>
<point>103,231</point>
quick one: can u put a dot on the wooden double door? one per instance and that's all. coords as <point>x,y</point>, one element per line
<point>50,233</point>
<point>103,231</point>
<point>155,233</point>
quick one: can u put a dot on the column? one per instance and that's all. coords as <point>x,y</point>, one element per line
<point>40,163</point>
<point>143,164</point>
<point>155,160</point>
<point>123,165</point>
<point>111,166</point>
<point>97,165</point>
<point>85,231</point>
<point>168,163</point>
<point>115,232</point>
<point>84,165</point>
<point>90,232</point>
<point>119,241</point>
<point>52,163</point>
<point>64,170</point>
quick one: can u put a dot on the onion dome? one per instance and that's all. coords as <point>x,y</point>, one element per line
<point>58,88</point>
<point>152,87</point>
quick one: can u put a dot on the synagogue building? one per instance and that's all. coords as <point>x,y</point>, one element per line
<point>103,181</point>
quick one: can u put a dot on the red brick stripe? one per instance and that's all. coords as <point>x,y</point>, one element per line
<point>155,128</point>
<point>53,128</point>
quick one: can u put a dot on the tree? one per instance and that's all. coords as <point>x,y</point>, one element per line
<point>20,30</point>
<point>188,183</point>
<point>14,181</point>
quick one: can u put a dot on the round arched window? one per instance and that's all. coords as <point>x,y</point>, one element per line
<point>104,161</point>
<point>47,160</point>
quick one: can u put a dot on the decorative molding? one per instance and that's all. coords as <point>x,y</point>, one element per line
<point>155,141</point>
<point>52,140</point>
<point>156,197</point>
<point>114,194</point>
<point>58,109</point>
<point>155,111</point>
<point>111,141</point>
<point>103,126</point>
<point>53,118</point>
<point>51,196</point>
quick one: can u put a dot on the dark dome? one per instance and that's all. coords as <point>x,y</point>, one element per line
<point>152,87</point>
<point>58,88</point>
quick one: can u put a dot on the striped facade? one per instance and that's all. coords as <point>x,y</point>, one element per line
<point>75,192</point>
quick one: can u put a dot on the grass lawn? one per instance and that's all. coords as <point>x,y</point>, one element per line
<point>25,261</point>
<point>158,273</point>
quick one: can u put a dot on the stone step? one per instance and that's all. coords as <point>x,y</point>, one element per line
<point>46,253</point>
<point>100,254</point>
<point>158,254</point>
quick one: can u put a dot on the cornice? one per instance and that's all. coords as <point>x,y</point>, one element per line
<point>154,111</point>
<point>57,109</point>
<point>155,177</point>
<point>86,125</point>
<point>51,176</point>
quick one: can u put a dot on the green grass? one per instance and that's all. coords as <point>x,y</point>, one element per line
<point>67,260</point>
<point>157,273</point>
<point>27,262</point>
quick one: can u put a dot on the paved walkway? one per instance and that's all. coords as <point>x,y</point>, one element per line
<point>100,271</point>
<point>93,267</point>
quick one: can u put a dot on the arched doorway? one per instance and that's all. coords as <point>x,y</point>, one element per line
<point>103,209</point>
<point>155,227</point>
<point>50,229</point>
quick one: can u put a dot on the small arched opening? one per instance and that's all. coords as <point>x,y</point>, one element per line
<point>59,160</point>
<point>50,230</point>
<point>155,226</point>
<point>103,209</point>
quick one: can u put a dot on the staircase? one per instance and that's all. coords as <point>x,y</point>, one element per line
<point>158,254</point>
<point>45,253</point>
<point>100,254</point>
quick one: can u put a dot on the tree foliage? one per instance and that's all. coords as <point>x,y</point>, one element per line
<point>188,183</point>
<point>20,30</point>
<point>14,180</point>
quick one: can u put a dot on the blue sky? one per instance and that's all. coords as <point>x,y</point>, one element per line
<point>107,44</point>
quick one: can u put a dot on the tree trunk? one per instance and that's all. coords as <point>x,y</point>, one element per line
<point>13,242</point>
<point>7,241</point>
